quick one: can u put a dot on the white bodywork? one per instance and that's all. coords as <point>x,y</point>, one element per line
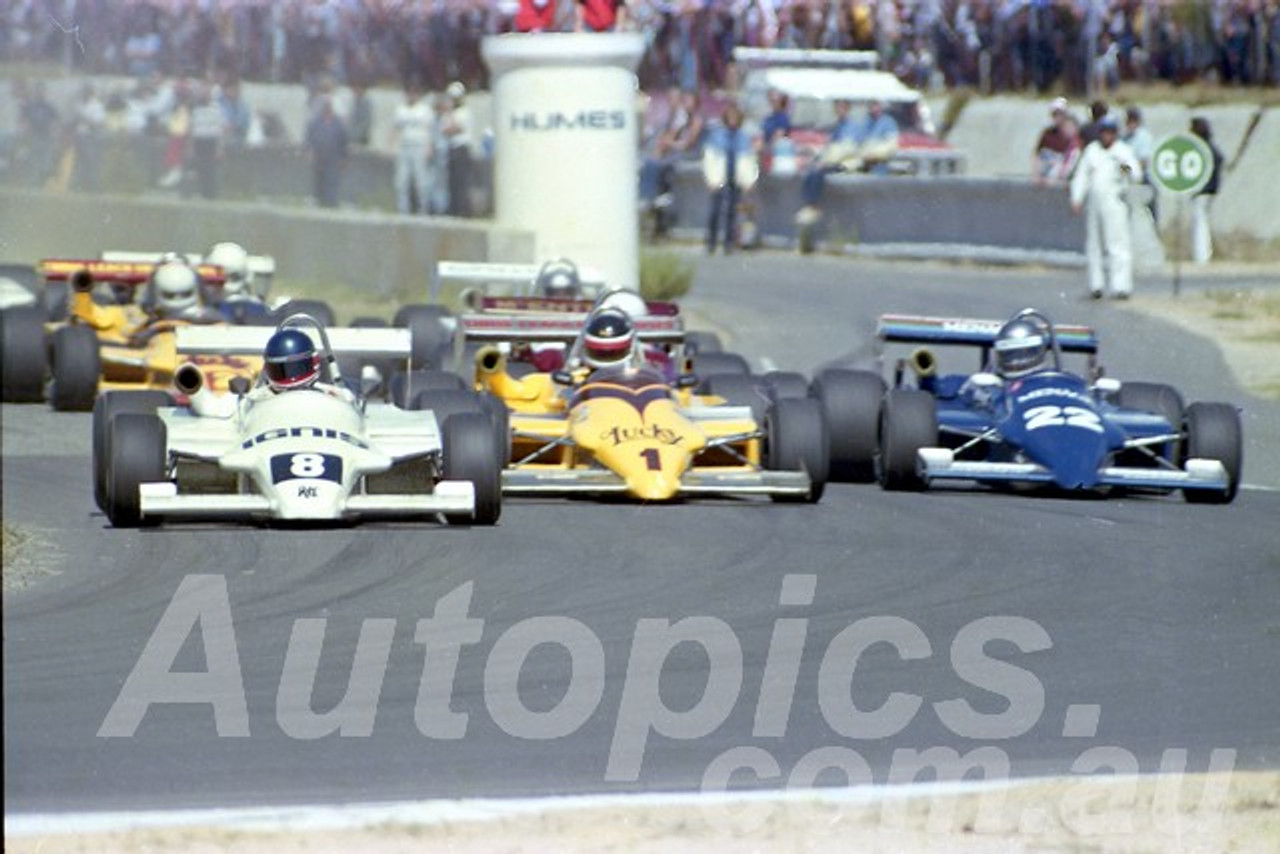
<point>304,454</point>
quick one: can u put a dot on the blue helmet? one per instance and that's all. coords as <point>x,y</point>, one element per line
<point>291,360</point>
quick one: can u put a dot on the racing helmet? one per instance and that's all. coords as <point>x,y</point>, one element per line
<point>559,279</point>
<point>234,261</point>
<point>290,360</point>
<point>607,339</point>
<point>176,288</point>
<point>1021,347</point>
<point>629,303</point>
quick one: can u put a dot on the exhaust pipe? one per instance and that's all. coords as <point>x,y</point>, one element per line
<point>925,365</point>
<point>189,381</point>
<point>922,361</point>
<point>489,360</point>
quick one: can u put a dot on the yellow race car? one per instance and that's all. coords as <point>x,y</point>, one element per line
<point>633,429</point>
<point>108,341</point>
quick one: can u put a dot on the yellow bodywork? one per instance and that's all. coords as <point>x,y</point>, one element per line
<point>631,423</point>
<point>137,352</point>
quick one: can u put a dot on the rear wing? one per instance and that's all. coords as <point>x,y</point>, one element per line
<point>354,342</point>
<point>505,279</point>
<point>117,272</point>
<point>556,305</point>
<point>259,265</point>
<point>548,329</point>
<point>910,329</point>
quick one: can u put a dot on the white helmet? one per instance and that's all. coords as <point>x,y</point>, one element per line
<point>177,288</point>
<point>626,301</point>
<point>234,261</point>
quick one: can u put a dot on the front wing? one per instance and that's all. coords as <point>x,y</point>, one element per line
<point>601,482</point>
<point>163,499</point>
<point>941,464</point>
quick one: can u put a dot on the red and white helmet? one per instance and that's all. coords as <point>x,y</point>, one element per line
<point>608,340</point>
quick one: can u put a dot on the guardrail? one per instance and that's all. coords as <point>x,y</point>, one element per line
<point>870,211</point>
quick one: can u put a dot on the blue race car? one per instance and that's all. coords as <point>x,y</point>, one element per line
<point>1023,419</point>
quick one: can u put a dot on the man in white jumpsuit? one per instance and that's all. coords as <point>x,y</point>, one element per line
<point>1106,169</point>
<point>413,126</point>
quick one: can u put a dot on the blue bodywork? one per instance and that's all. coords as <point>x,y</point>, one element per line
<point>1051,427</point>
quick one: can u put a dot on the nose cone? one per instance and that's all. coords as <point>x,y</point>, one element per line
<point>653,486</point>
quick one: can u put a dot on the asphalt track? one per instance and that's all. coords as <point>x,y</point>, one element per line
<point>1159,616</point>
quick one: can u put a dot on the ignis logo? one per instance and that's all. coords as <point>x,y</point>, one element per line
<point>581,120</point>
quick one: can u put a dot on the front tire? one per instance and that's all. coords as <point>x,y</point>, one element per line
<point>105,410</point>
<point>22,347</point>
<point>1158,399</point>
<point>139,454</point>
<point>319,309</point>
<point>797,441</point>
<point>77,368</point>
<point>850,402</point>
<point>470,454</point>
<point>1214,433</point>
<point>908,422</point>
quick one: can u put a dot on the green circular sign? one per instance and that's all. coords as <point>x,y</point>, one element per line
<point>1182,163</point>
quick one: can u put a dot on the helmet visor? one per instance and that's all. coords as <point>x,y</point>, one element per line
<point>292,370</point>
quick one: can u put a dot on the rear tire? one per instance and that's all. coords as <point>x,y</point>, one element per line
<point>739,390</point>
<point>406,386</point>
<point>105,410</point>
<point>702,342</point>
<point>77,368</point>
<point>797,441</point>
<point>706,364</point>
<point>470,454</point>
<point>908,422</point>
<point>319,309</point>
<point>139,454</point>
<point>22,347</point>
<point>850,402</point>
<point>1214,433</point>
<point>427,331</point>
<point>784,384</point>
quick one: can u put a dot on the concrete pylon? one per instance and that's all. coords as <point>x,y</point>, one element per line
<point>566,146</point>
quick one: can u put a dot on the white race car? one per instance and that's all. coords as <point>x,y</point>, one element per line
<point>322,453</point>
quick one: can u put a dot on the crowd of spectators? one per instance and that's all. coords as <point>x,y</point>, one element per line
<point>997,45</point>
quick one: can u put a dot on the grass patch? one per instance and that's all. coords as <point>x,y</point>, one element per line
<point>664,275</point>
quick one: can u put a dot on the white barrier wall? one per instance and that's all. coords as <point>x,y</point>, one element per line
<point>566,143</point>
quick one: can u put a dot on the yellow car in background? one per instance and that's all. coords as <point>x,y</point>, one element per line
<point>108,341</point>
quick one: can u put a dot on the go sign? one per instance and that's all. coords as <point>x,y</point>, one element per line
<point>1182,163</point>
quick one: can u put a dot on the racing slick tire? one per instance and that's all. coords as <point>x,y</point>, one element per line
<point>426,330</point>
<point>1213,432</point>
<point>740,390</point>
<point>57,296</point>
<point>139,454</point>
<point>407,385</point>
<point>105,410</point>
<point>796,440</point>
<point>445,402</point>
<point>76,369</point>
<point>705,364</point>
<point>908,422</point>
<point>319,309</point>
<point>470,454</point>
<point>850,402</point>
<point>702,342</point>
<point>1159,399</point>
<point>783,384</point>
<point>22,347</point>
